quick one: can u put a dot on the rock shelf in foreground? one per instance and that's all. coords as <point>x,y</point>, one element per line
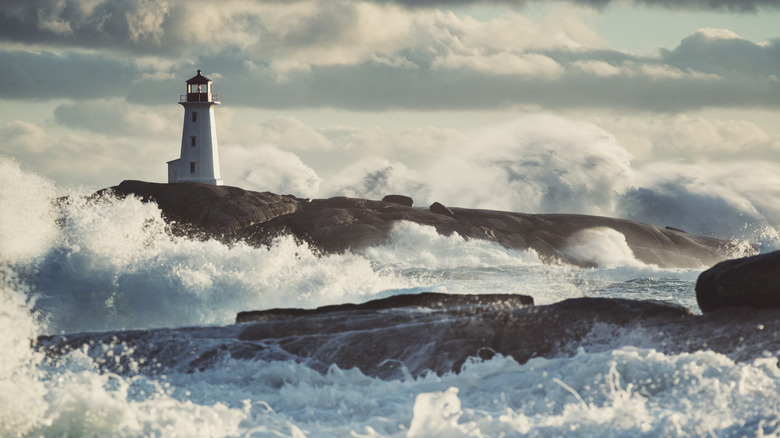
<point>433,332</point>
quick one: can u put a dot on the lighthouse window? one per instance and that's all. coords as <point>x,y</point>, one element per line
<point>192,141</point>
<point>192,167</point>
<point>194,117</point>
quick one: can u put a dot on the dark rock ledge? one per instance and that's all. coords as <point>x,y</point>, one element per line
<point>338,224</point>
<point>752,282</point>
<point>431,332</point>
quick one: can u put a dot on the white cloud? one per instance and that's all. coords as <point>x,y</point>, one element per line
<point>18,136</point>
<point>114,117</point>
<point>332,33</point>
<point>664,72</point>
<point>145,21</point>
<point>95,161</point>
<point>503,63</point>
<point>598,68</point>
<point>654,72</point>
<point>691,138</point>
<point>369,55</point>
<point>290,133</point>
<point>713,33</point>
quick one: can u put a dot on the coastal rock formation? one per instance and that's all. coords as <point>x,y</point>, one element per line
<point>425,300</point>
<point>412,335</point>
<point>455,328</point>
<point>746,282</point>
<point>399,199</point>
<point>439,208</point>
<point>215,209</point>
<point>340,224</point>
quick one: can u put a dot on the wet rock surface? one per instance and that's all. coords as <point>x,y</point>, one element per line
<point>746,282</point>
<point>399,199</point>
<point>413,335</point>
<point>340,223</point>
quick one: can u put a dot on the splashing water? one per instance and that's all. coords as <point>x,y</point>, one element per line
<point>602,247</point>
<point>111,264</point>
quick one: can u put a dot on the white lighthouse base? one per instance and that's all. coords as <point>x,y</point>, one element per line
<point>176,176</point>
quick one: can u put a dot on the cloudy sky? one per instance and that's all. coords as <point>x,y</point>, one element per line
<point>364,97</point>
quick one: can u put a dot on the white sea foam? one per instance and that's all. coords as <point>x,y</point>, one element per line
<point>604,247</point>
<point>115,266</point>
<point>112,264</point>
<point>21,391</point>
<point>412,244</point>
<point>453,264</point>
<point>26,220</point>
<point>627,391</point>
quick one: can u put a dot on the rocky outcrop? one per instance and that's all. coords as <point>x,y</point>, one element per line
<point>421,333</point>
<point>216,209</point>
<point>416,334</point>
<point>399,199</point>
<point>425,300</point>
<point>339,224</point>
<point>746,282</point>
<point>439,208</point>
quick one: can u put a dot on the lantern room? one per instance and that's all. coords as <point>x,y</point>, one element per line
<point>199,158</point>
<point>199,89</point>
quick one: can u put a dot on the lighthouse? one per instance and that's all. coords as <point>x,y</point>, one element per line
<point>199,158</point>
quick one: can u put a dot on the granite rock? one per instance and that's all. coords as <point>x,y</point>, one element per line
<point>340,224</point>
<point>745,282</point>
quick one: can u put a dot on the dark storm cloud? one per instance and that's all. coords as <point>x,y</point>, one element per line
<point>147,26</point>
<point>701,72</point>
<point>417,61</point>
<point>136,25</point>
<point>698,73</point>
<point>722,53</point>
<point>727,5</point>
<point>46,76</point>
<point>701,5</point>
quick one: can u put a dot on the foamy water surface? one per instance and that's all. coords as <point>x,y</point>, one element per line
<point>111,265</point>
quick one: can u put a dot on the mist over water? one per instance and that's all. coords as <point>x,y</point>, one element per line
<point>729,200</point>
<point>108,265</point>
<point>548,164</point>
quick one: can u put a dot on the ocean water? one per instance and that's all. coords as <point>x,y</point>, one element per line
<point>81,267</point>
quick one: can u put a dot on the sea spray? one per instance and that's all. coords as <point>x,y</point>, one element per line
<point>112,264</point>
<point>26,213</point>
<point>115,265</point>
<point>453,264</point>
<point>603,247</point>
<point>412,244</point>
<point>724,200</point>
<point>535,164</point>
<point>433,262</point>
<point>622,391</point>
<point>542,164</point>
<point>549,164</point>
<point>70,396</point>
<point>21,391</point>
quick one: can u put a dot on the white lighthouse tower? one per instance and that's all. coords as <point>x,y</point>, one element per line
<point>199,158</point>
